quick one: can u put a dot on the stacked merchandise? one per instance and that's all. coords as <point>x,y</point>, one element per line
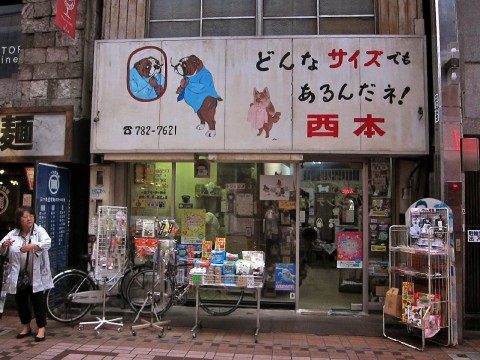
<point>221,268</point>
<point>153,233</point>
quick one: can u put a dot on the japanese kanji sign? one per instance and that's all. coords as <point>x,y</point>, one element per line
<point>362,95</point>
<point>32,134</point>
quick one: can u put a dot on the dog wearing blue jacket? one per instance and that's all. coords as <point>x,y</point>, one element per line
<point>146,80</point>
<point>198,90</point>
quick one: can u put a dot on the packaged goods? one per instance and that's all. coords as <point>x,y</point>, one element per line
<point>243,267</point>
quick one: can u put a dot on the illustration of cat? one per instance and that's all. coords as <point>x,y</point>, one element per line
<point>261,113</point>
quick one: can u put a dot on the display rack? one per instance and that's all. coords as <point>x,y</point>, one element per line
<point>227,282</point>
<point>109,255</point>
<point>419,269</point>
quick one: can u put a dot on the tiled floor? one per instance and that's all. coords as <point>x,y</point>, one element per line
<point>229,338</point>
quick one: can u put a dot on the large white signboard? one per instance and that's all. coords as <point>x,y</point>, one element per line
<point>362,95</point>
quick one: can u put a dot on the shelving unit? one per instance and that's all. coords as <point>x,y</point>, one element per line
<point>419,268</point>
<point>380,212</point>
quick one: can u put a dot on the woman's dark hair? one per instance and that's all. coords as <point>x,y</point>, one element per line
<point>19,213</point>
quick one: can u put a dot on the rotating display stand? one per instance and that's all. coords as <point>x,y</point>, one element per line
<point>109,256</point>
<point>167,228</point>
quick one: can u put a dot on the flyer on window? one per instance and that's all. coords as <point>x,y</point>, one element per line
<point>349,250</point>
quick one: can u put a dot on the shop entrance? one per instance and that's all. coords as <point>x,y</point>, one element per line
<point>331,236</point>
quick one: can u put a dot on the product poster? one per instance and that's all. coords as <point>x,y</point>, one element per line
<point>285,277</point>
<point>349,250</point>
<point>193,226</point>
<point>276,187</point>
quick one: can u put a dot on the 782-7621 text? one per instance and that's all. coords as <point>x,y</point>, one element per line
<point>150,130</point>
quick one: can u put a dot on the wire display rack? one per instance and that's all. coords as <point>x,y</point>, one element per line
<point>109,255</point>
<point>420,270</point>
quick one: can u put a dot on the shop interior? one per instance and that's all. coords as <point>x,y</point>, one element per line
<point>253,207</point>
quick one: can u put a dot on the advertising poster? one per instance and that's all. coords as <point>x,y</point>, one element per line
<point>275,187</point>
<point>52,197</point>
<point>193,226</point>
<point>349,250</point>
<point>285,277</point>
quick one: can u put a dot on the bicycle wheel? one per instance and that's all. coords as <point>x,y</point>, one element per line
<point>219,302</point>
<point>127,276</point>
<point>59,302</point>
<point>139,293</point>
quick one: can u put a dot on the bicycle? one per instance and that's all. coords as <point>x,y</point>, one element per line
<point>76,292</point>
<point>214,301</point>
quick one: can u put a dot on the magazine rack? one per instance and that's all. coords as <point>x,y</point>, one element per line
<point>420,273</point>
<point>109,255</point>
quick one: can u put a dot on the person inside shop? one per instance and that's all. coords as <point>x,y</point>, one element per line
<point>212,226</point>
<point>29,275</point>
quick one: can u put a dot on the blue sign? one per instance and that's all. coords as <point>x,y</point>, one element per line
<point>52,198</point>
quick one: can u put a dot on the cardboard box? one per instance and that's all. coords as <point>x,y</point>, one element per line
<point>381,290</point>
<point>393,303</point>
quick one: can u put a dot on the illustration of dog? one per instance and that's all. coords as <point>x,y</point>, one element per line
<point>146,79</point>
<point>198,91</point>
<point>261,113</point>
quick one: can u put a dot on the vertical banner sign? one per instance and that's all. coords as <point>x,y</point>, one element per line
<point>52,197</point>
<point>67,16</point>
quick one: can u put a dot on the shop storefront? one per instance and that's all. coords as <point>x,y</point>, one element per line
<point>41,168</point>
<point>290,152</point>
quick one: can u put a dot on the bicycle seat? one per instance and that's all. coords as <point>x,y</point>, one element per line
<point>85,257</point>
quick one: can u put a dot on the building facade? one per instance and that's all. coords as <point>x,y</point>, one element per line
<point>273,187</point>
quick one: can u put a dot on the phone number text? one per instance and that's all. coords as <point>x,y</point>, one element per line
<point>150,130</point>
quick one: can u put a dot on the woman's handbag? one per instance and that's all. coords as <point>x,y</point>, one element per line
<point>23,279</point>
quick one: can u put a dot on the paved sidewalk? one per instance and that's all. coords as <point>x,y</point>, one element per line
<point>283,335</point>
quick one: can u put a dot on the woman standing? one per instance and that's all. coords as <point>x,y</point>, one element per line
<point>27,247</point>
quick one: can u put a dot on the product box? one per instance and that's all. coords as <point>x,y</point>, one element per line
<point>241,281</point>
<point>393,303</point>
<point>217,256</point>
<point>415,315</point>
<point>425,300</point>
<point>206,249</point>
<point>220,243</point>
<point>407,299</point>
